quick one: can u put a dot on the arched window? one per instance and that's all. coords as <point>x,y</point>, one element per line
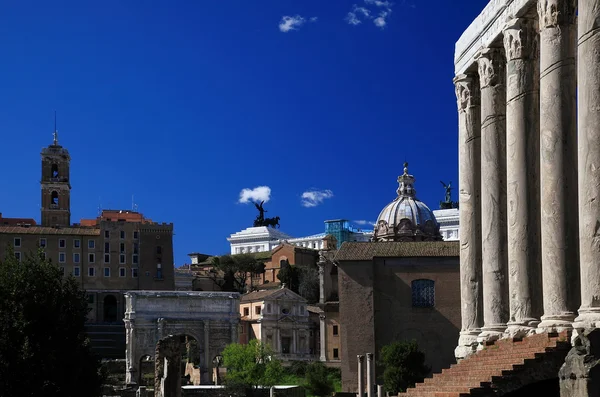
<point>54,198</point>
<point>423,293</point>
<point>54,171</point>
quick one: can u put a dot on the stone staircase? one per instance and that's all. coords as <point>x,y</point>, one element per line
<point>107,340</point>
<point>500,368</point>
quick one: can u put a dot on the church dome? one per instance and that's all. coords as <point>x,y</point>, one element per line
<point>406,218</point>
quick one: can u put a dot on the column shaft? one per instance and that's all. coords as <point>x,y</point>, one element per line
<point>558,152</point>
<point>369,374</point>
<point>588,123</point>
<point>469,167</point>
<point>361,378</point>
<point>491,67</point>
<point>522,176</point>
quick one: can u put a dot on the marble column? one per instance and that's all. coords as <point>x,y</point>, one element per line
<point>588,123</point>
<point>492,75</point>
<point>523,176</point>
<point>370,374</point>
<point>322,337</point>
<point>469,169</point>
<point>558,152</point>
<point>361,376</point>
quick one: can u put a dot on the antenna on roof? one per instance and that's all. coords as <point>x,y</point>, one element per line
<point>133,204</point>
<point>55,134</point>
<point>99,206</point>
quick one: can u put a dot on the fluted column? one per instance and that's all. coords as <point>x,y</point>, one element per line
<point>523,176</point>
<point>492,75</point>
<point>558,152</point>
<point>469,168</point>
<point>588,131</point>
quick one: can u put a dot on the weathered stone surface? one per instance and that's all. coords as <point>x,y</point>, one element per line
<point>469,119</point>
<point>588,120</point>
<point>580,374</point>
<point>522,165</point>
<point>211,318</point>
<point>558,132</point>
<point>492,75</point>
<point>167,375</point>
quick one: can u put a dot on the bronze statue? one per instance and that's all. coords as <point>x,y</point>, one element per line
<point>261,220</point>
<point>448,188</point>
<point>273,222</point>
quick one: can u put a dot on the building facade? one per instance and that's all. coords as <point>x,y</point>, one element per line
<point>116,252</point>
<point>280,319</point>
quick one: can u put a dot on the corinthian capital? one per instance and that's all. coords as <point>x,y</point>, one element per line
<point>467,91</point>
<point>520,39</point>
<point>554,13</point>
<point>491,67</point>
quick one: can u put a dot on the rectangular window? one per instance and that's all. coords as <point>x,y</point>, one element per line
<point>42,243</point>
<point>136,248</point>
<point>122,247</point>
<point>107,272</point>
<point>76,243</point>
<point>257,310</point>
<point>122,259</point>
<point>91,244</point>
<point>106,248</point>
<point>62,243</point>
<point>135,235</point>
<point>336,353</point>
<point>134,273</point>
<point>17,241</point>
<point>135,259</point>
<point>18,256</point>
<point>106,234</point>
<point>62,257</point>
<point>106,258</point>
<point>92,258</point>
<point>122,234</point>
<point>121,272</point>
<point>91,271</point>
<point>335,330</point>
<point>246,311</point>
<point>76,257</point>
<point>76,271</point>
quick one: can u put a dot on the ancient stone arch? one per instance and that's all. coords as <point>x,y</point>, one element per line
<point>212,318</point>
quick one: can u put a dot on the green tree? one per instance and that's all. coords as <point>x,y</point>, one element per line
<point>289,275</point>
<point>404,365</point>
<point>308,285</point>
<point>235,271</point>
<point>318,382</point>
<point>250,366</point>
<point>43,347</point>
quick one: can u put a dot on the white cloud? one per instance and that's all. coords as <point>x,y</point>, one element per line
<point>358,14</point>
<point>312,198</point>
<point>259,193</point>
<point>288,23</point>
<point>313,19</point>
<point>364,223</point>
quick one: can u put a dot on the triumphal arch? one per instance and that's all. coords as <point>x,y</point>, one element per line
<point>154,318</point>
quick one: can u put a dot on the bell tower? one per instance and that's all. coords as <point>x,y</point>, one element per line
<point>56,185</point>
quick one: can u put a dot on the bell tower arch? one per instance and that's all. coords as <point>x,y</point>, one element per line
<point>56,185</point>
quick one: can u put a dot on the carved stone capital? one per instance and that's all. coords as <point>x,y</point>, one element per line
<point>360,358</point>
<point>521,39</point>
<point>491,67</point>
<point>553,13</point>
<point>466,87</point>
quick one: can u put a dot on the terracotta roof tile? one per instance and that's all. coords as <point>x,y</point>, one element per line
<point>76,231</point>
<point>257,295</point>
<point>366,251</point>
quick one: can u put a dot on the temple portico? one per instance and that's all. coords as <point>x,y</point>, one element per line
<point>529,166</point>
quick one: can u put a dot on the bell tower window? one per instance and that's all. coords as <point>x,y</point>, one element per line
<point>54,170</point>
<point>54,199</point>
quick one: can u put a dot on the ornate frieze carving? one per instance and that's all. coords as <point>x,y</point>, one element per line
<point>466,87</point>
<point>521,39</point>
<point>553,13</point>
<point>491,66</point>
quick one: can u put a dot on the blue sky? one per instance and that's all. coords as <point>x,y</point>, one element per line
<point>184,104</point>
